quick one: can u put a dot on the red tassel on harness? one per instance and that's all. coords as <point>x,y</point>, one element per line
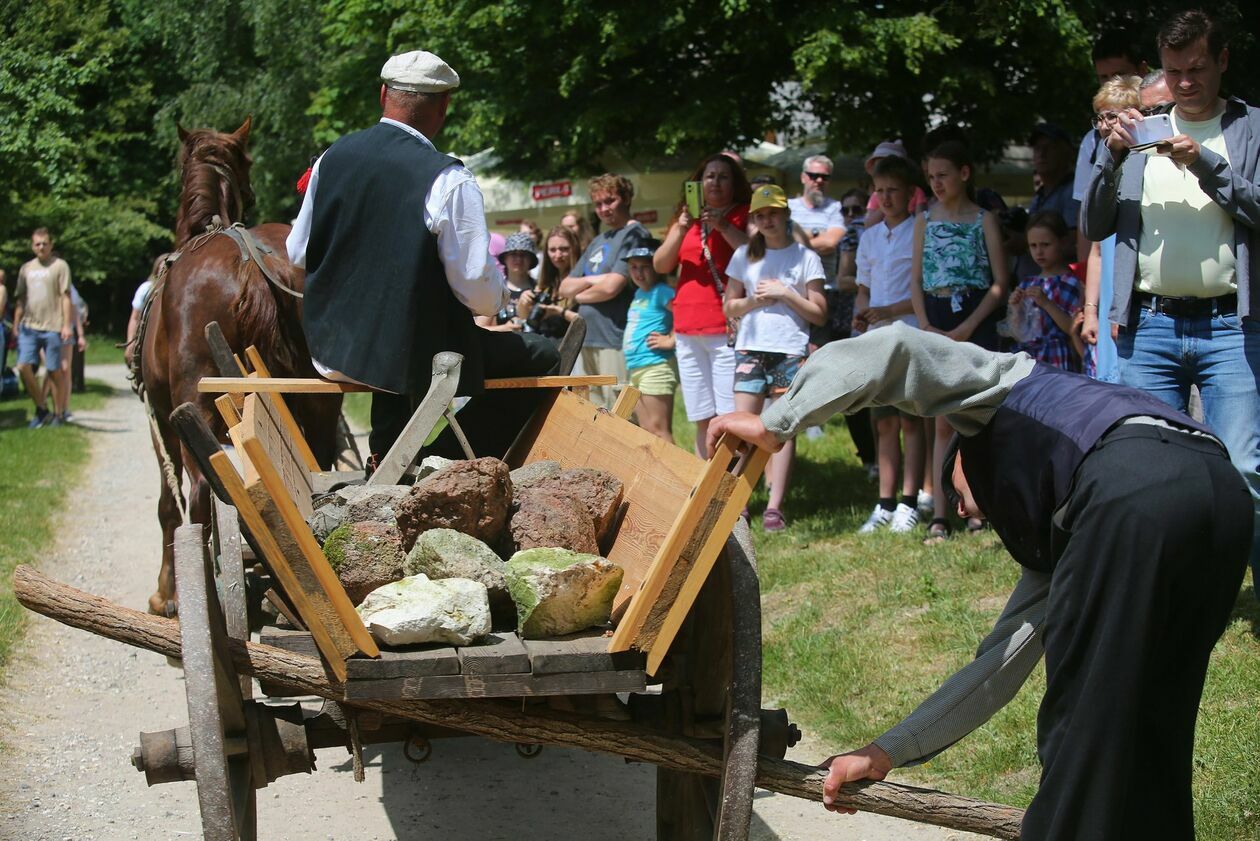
<point>304,181</point>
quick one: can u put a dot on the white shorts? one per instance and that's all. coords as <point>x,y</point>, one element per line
<point>706,372</point>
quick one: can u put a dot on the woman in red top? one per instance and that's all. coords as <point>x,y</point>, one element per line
<point>706,364</point>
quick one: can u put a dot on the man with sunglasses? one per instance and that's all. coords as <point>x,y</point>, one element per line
<point>818,215</point>
<point>1131,528</point>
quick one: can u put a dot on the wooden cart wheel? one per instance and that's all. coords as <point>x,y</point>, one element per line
<point>217,718</point>
<point>743,699</point>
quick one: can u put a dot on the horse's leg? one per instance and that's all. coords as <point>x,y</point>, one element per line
<point>163,602</point>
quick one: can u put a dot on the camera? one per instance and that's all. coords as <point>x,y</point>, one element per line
<point>536,314</point>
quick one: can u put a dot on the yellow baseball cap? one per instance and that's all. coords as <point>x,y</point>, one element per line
<point>768,195</point>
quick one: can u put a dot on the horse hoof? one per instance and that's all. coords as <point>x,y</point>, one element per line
<point>168,608</point>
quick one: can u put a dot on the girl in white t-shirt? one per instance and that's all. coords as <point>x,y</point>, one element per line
<point>774,287</point>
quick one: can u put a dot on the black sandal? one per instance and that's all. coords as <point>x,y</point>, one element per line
<point>938,531</point>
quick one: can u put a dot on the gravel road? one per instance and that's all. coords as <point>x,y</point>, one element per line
<point>73,704</point>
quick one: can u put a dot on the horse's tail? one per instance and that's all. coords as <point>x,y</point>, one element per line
<point>259,320</point>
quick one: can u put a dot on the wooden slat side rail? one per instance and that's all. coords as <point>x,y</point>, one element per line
<point>281,411</point>
<point>281,454</point>
<point>666,618</point>
<point>332,639</point>
<point>497,686</point>
<point>295,519</point>
<point>227,410</point>
<point>626,402</point>
<point>306,385</point>
<point>551,382</point>
<point>275,385</point>
<point>684,526</point>
<point>658,476</point>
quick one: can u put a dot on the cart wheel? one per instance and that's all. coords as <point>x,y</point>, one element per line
<point>217,718</point>
<point>743,699</point>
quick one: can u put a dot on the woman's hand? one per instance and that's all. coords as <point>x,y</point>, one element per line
<point>714,219</point>
<point>868,763</point>
<point>684,220</point>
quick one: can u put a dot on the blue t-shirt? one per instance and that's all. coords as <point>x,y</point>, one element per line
<point>649,313</point>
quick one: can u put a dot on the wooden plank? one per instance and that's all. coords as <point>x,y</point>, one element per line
<point>227,410</point>
<point>497,686</point>
<point>281,410</point>
<point>500,654</point>
<point>585,652</point>
<point>682,530</point>
<point>276,385</point>
<point>626,401</point>
<point>308,554</point>
<point>657,646</point>
<point>258,423</point>
<point>299,642</point>
<point>420,661</point>
<point>335,644</point>
<point>658,476</point>
<point>551,382</point>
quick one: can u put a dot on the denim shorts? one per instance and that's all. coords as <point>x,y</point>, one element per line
<point>30,342</point>
<point>762,372</point>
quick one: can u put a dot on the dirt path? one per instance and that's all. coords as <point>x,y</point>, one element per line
<point>74,704</point>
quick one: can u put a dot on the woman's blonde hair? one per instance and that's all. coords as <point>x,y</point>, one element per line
<point>1118,92</point>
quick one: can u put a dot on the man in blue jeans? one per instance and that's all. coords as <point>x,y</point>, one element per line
<point>43,319</point>
<point>1187,259</point>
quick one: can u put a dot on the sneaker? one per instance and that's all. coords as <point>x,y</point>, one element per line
<point>904,519</point>
<point>879,518</point>
<point>773,520</point>
<point>41,417</point>
<point>57,420</point>
<point>925,504</point>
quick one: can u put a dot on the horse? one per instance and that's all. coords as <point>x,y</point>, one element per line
<point>207,280</point>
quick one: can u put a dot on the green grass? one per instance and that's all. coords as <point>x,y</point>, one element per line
<point>101,350</point>
<point>37,470</point>
<point>357,407</point>
<point>858,630</point>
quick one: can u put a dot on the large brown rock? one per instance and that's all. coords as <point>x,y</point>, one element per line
<point>472,497</point>
<point>365,555</point>
<point>546,519</point>
<point>599,492</point>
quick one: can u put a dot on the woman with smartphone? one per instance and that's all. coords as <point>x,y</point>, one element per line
<point>699,244</point>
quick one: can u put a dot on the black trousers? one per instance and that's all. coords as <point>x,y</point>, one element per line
<point>490,420</point>
<point>1159,527</point>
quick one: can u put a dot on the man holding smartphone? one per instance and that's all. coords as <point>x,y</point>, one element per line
<point>1187,260</point>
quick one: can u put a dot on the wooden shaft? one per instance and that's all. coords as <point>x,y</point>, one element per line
<point>504,722</point>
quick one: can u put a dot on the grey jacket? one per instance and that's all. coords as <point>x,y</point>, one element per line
<point>1113,205</point>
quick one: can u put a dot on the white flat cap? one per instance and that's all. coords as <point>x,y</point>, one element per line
<point>419,72</point>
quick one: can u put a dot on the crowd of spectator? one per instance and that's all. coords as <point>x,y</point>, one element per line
<point>757,280</point>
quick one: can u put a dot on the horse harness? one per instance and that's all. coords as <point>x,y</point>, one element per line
<point>251,250</point>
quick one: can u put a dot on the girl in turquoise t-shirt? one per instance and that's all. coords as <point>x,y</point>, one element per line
<point>648,343</point>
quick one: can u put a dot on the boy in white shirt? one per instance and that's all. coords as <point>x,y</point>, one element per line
<point>883,275</point>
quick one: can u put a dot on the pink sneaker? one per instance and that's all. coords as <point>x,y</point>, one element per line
<point>773,520</point>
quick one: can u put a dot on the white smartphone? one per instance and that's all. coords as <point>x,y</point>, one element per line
<point>1151,132</point>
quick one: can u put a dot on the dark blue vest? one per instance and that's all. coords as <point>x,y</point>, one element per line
<point>378,306</point>
<point>1021,465</point>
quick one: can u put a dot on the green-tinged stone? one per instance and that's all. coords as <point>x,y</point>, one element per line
<point>560,592</point>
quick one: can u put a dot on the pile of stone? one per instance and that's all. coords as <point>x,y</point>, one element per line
<point>473,546</point>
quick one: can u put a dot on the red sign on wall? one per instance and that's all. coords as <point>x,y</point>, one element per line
<point>554,190</point>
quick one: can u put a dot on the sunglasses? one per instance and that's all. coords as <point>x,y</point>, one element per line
<point>818,176</point>
<point>1152,110</point>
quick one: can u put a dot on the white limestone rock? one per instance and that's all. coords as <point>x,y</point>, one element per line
<point>446,553</point>
<point>430,465</point>
<point>559,592</point>
<point>417,610</point>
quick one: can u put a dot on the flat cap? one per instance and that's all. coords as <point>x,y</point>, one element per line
<point>419,72</point>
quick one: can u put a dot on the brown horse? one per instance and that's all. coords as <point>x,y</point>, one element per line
<point>209,282</point>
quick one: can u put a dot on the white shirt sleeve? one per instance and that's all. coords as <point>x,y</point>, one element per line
<point>455,212</point>
<point>301,233</point>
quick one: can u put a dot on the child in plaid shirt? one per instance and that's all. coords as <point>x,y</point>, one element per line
<point>1055,292</point>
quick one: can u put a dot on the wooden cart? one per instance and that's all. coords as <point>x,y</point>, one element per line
<point>686,646</point>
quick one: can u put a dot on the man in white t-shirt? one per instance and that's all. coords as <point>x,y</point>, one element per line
<point>818,215</point>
